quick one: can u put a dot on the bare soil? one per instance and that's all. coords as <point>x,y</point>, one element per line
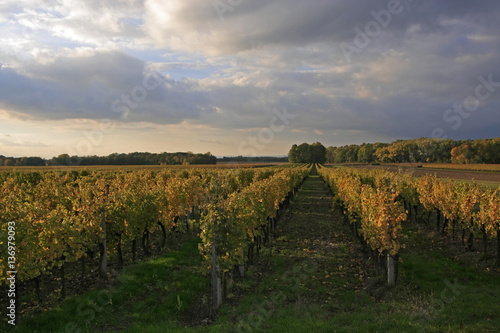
<point>452,174</point>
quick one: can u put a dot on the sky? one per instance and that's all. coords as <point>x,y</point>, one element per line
<point>243,77</point>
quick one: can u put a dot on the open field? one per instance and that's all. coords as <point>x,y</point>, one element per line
<point>451,166</point>
<point>490,179</point>
<point>135,167</point>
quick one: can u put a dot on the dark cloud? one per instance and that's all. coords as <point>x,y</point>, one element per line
<point>264,55</point>
<point>101,85</point>
<point>261,23</point>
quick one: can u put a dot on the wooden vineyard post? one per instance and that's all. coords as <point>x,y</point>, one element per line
<point>103,246</point>
<point>63,282</point>
<point>216,281</point>
<point>241,268</point>
<point>188,226</point>
<point>391,270</point>
<point>392,261</point>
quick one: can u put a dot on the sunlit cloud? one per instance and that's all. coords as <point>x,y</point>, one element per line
<point>66,67</point>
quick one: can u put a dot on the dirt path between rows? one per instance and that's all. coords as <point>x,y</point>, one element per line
<point>316,236</point>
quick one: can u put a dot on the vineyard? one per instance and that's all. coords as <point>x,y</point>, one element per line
<point>81,224</point>
<point>378,201</point>
<point>63,218</point>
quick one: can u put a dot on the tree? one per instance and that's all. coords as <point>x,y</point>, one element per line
<point>422,150</point>
<point>330,154</point>
<point>306,153</point>
<point>31,161</point>
<point>318,153</point>
<point>293,154</point>
<point>64,159</point>
<point>366,153</point>
<point>350,154</point>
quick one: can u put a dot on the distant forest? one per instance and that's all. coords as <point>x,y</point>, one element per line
<point>138,159</point>
<point>421,150</point>
<point>114,159</point>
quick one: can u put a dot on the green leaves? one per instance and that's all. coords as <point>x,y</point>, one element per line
<point>230,221</point>
<point>58,215</point>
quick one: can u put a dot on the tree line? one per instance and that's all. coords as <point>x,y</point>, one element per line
<point>136,158</point>
<point>422,150</point>
<point>21,161</point>
<point>306,153</point>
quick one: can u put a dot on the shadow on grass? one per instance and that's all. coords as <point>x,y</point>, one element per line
<point>146,297</point>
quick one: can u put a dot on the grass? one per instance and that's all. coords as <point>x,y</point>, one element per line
<point>145,298</point>
<point>451,296</point>
<point>311,277</point>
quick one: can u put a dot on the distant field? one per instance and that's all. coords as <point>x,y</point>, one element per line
<point>447,166</point>
<point>466,167</point>
<point>135,167</point>
<point>487,178</point>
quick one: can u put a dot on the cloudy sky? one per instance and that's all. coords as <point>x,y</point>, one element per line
<point>243,77</point>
